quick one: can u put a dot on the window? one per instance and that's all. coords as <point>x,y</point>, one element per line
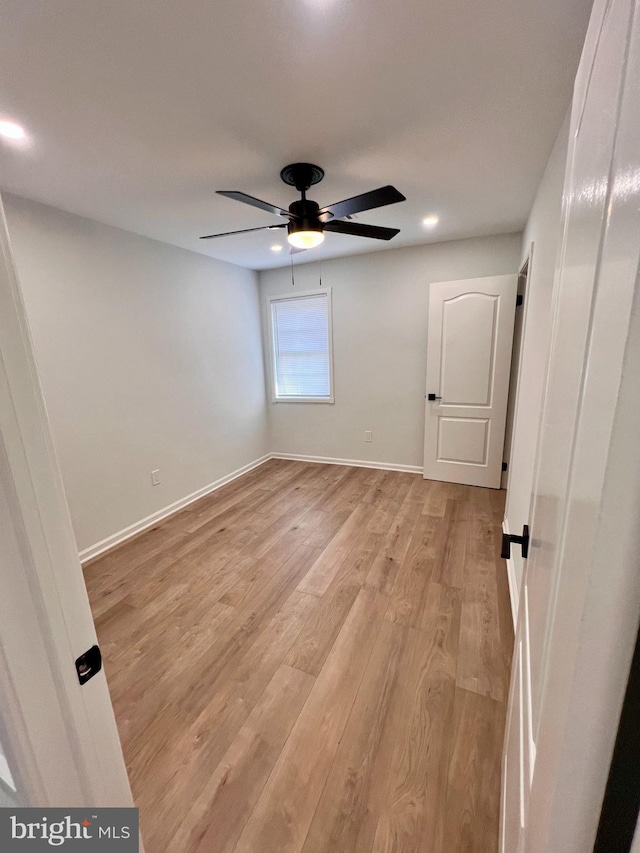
<point>301,347</point>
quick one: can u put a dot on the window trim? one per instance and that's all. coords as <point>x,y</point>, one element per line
<point>282,297</point>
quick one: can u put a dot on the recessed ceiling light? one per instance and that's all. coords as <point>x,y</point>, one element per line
<point>11,130</point>
<point>430,221</point>
<point>276,248</point>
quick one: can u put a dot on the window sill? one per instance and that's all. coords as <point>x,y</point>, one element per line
<point>329,400</point>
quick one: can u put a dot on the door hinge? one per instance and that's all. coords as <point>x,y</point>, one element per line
<point>519,300</point>
<point>504,466</point>
<point>509,539</point>
<point>88,664</point>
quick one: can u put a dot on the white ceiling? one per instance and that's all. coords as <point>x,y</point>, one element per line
<point>138,110</point>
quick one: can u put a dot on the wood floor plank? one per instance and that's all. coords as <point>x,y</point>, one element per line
<point>415,572</point>
<point>221,649</point>
<point>452,548</point>
<point>329,499</point>
<point>163,674</point>
<point>436,498</point>
<point>316,639</point>
<point>412,819</point>
<point>328,526</point>
<point>318,579</point>
<point>242,492</point>
<point>191,601</point>
<point>203,547</point>
<point>346,816</point>
<point>473,781</point>
<point>481,658</point>
<point>312,658</point>
<point>174,762</point>
<point>288,801</point>
<point>298,493</point>
<point>290,521</point>
<point>383,572</point>
<point>220,812</point>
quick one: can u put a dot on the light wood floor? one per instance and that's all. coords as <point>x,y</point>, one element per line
<point>313,659</point>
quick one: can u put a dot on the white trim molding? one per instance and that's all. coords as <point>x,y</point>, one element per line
<point>354,463</point>
<point>133,529</point>
<point>514,592</point>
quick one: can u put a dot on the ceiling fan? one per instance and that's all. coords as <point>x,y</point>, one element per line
<point>307,221</point>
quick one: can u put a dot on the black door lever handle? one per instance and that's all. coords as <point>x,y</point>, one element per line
<point>433,397</point>
<point>509,538</point>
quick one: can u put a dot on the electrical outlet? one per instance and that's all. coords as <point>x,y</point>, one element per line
<point>368,435</point>
<point>155,477</point>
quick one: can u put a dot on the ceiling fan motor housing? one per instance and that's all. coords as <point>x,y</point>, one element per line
<point>304,216</point>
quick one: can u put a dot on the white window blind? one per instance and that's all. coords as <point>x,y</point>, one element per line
<point>301,347</point>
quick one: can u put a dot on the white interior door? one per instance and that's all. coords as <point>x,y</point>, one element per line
<point>469,342</point>
<point>573,587</point>
<point>59,744</point>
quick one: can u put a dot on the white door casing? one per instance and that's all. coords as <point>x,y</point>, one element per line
<point>470,336</point>
<point>61,736</point>
<point>580,594</point>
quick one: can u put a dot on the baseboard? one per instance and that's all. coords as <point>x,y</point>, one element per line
<point>132,530</point>
<point>354,463</point>
<point>514,592</point>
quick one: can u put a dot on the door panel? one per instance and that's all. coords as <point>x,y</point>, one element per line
<point>463,440</point>
<point>468,345</point>
<point>584,223</point>
<point>561,610</point>
<point>468,361</point>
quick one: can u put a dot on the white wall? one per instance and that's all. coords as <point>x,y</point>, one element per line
<point>149,357</point>
<point>380,341</point>
<point>543,230</point>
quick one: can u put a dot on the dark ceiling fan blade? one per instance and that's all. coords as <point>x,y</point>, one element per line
<point>254,202</point>
<point>245,230</point>
<point>360,230</point>
<point>366,201</point>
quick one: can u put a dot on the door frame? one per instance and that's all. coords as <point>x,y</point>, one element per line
<point>512,403</point>
<point>61,738</point>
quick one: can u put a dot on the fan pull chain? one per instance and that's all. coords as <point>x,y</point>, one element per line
<point>293,283</point>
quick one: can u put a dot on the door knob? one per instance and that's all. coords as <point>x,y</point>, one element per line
<point>433,397</point>
<point>509,538</point>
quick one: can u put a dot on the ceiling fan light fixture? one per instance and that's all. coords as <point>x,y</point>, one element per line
<point>305,239</point>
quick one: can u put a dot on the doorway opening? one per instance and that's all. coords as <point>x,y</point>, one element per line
<point>514,376</point>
